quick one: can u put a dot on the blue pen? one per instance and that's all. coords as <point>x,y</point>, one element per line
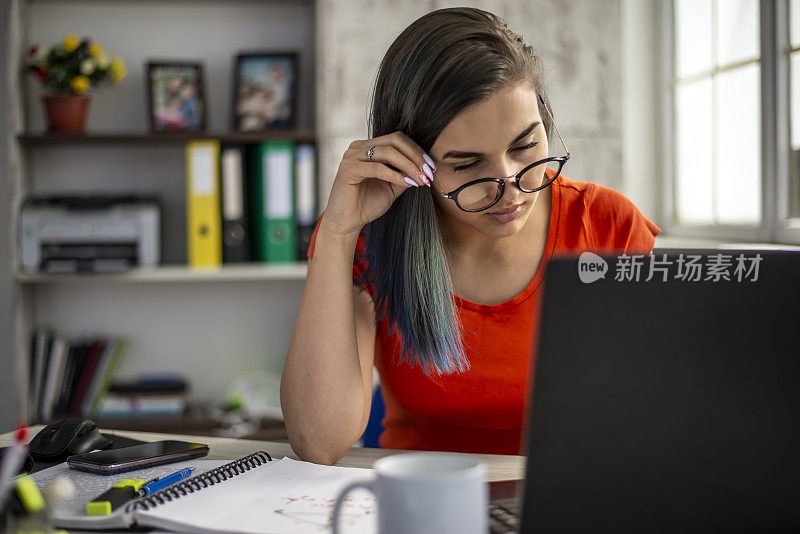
<point>163,482</point>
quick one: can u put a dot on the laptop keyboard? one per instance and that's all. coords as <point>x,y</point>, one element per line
<point>504,518</point>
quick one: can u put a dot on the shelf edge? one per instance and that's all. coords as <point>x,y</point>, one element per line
<point>248,273</point>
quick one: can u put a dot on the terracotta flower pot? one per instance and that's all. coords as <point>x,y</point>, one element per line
<point>66,113</point>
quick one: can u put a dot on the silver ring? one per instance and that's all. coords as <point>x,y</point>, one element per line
<point>370,152</point>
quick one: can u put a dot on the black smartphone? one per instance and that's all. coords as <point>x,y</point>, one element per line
<point>125,459</point>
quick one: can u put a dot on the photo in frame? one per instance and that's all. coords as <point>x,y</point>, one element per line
<point>176,96</point>
<point>265,91</point>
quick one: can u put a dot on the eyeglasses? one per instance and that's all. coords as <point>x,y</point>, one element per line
<point>483,193</point>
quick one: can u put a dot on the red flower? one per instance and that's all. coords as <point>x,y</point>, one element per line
<point>41,74</point>
<point>33,49</point>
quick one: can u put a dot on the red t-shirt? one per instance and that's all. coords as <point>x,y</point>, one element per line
<point>482,410</point>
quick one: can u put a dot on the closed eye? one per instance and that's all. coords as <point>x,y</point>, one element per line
<point>474,163</point>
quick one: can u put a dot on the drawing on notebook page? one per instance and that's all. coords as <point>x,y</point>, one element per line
<point>317,511</point>
<point>251,495</point>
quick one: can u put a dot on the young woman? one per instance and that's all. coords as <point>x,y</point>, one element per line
<point>428,261</point>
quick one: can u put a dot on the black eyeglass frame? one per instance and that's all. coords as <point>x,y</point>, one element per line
<point>561,160</point>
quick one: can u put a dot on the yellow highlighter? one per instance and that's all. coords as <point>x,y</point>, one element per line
<point>29,494</point>
<point>30,522</point>
<point>119,494</point>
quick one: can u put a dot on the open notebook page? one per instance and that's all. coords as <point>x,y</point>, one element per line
<point>286,496</point>
<point>72,512</point>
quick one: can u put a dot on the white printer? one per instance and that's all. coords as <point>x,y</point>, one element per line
<point>90,233</point>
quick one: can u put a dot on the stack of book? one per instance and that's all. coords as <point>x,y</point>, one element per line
<point>147,396</point>
<point>249,202</point>
<point>69,377</point>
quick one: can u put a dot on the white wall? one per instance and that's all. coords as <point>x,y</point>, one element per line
<point>208,31</point>
<point>579,41</point>
<point>7,406</point>
<point>216,331</point>
<point>212,332</point>
<point>641,105</point>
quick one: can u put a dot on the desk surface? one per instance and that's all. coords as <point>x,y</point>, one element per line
<point>498,466</point>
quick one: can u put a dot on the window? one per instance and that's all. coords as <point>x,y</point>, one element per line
<point>716,94</point>
<point>729,174</point>
<point>793,54</point>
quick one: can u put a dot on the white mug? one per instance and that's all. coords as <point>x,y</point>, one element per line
<point>423,492</point>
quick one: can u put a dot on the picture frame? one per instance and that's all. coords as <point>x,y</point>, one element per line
<point>176,96</point>
<point>265,91</point>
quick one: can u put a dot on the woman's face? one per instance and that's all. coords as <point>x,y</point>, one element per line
<point>491,131</point>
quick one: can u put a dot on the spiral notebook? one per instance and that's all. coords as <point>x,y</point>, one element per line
<point>253,495</point>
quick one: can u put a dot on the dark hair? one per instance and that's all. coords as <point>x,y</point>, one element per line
<point>440,64</point>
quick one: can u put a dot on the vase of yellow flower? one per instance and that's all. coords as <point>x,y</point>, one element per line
<point>66,113</point>
<point>67,71</point>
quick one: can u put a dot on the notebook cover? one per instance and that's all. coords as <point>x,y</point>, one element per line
<point>55,373</point>
<point>62,405</point>
<point>233,204</point>
<point>272,176</point>
<point>305,196</point>
<point>203,220</point>
<point>114,359</point>
<point>97,377</point>
<point>93,355</point>
<point>43,339</point>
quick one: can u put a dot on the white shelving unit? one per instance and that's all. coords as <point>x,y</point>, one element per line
<point>174,274</point>
<point>210,325</point>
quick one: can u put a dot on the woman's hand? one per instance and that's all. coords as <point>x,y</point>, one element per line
<point>363,191</point>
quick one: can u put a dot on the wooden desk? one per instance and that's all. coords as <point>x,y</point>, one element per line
<point>498,466</point>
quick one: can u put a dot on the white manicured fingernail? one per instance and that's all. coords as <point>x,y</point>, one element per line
<point>427,171</point>
<point>428,159</point>
<point>409,181</point>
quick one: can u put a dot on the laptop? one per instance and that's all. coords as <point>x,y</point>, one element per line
<point>666,396</point>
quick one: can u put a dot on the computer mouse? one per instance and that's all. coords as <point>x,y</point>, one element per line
<point>66,437</point>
